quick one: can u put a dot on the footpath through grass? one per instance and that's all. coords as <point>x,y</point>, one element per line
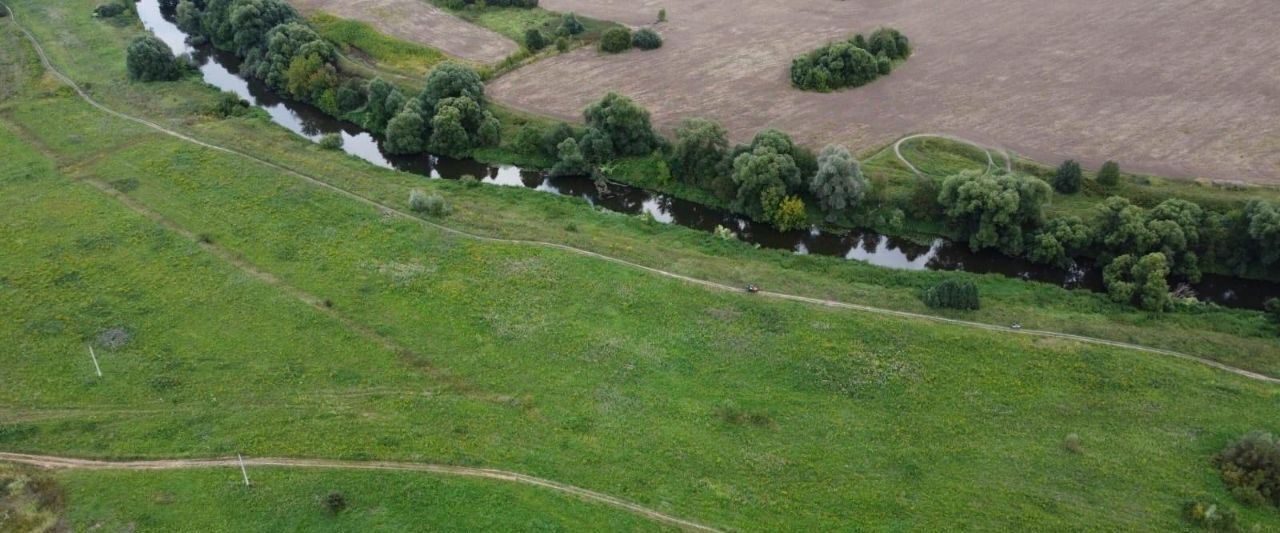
<point>730,410</point>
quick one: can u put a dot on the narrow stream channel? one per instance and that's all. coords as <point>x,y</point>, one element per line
<point>221,70</point>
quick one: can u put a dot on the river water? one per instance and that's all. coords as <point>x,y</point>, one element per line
<point>221,69</point>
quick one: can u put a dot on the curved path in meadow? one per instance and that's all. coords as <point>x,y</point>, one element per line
<point>387,209</point>
<point>72,463</point>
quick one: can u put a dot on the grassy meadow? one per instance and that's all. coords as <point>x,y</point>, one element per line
<point>738,412</point>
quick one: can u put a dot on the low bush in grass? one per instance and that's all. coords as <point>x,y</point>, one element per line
<point>108,10</point>
<point>647,39</point>
<point>1209,514</point>
<point>952,294</point>
<point>331,141</point>
<point>431,204</point>
<point>615,40</point>
<point>1251,469</point>
<point>335,502</point>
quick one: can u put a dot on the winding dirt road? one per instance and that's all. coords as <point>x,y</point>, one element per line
<point>392,211</point>
<point>72,463</point>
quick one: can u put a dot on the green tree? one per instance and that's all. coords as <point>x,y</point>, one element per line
<point>248,22</point>
<point>952,294</point>
<point>1263,219</point>
<point>552,138</point>
<point>626,124</point>
<point>1177,226</point>
<point>570,161</point>
<point>1122,227</point>
<point>1109,175</point>
<point>534,40</point>
<point>596,146</point>
<point>405,131</point>
<point>994,211</point>
<point>615,40</point>
<point>760,170</point>
<point>528,140</point>
<point>789,214</point>
<point>451,80</point>
<point>1060,240</point>
<point>448,135</point>
<point>384,102</point>
<point>838,184</point>
<point>1068,177</point>
<point>187,17</point>
<point>700,148</point>
<point>309,77</point>
<point>1145,280</point>
<point>284,44</point>
<point>569,24</point>
<point>149,59</point>
<point>646,39</point>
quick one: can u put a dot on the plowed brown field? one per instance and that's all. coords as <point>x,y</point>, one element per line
<point>1173,87</point>
<point>419,22</point>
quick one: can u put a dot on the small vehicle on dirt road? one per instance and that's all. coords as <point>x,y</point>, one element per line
<point>752,289</point>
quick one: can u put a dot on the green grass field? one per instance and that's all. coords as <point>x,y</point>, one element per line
<point>730,410</point>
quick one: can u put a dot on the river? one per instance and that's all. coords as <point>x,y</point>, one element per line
<point>221,70</point>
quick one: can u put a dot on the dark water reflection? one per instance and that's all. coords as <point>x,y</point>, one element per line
<point>221,70</point>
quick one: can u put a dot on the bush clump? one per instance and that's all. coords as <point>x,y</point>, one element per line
<point>534,40</point>
<point>952,294</point>
<point>1251,469</point>
<point>335,502</point>
<point>108,10</point>
<point>1209,515</point>
<point>149,59</point>
<point>431,204</point>
<point>1109,174</point>
<point>1067,179</point>
<point>615,40</point>
<point>849,63</point>
<point>647,39</point>
<point>331,141</point>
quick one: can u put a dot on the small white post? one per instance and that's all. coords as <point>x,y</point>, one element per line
<point>96,368</point>
<point>243,472</point>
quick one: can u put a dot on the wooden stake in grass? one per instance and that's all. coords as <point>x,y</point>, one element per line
<point>96,368</point>
<point>243,472</point>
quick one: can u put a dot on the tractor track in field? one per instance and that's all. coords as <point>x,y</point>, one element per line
<point>392,211</point>
<point>72,463</point>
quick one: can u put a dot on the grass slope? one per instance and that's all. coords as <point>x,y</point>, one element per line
<point>740,412</point>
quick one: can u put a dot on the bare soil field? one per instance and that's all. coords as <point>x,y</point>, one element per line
<point>1172,87</point>
<point>419,22</point>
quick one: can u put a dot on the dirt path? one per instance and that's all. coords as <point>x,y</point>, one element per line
<point>71,463</point>
<point>386,209</point>
<point>418,21</point>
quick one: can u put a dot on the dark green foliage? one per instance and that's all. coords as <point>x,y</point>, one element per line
<point>231,105</point>
<point>1208,514</point>
<point>1272,307</point>
<point>1068,177</point>
<point>451,80</point>
<point>952,294</point>
<point>562,44</point>
<point>596,146</point>
<point>1263,220</point>
<point>624,122</point>
<point>108,10</point>
<point>351,95</point>
<point>1059,240</point>
<point>570,25</point>
<point>760,174</point>
<point>330,141</point>
<point>615,40</point>
<point>312,79</point>
<point>335,502</point>
<point>1172,228</point>
<point>528,140</point>
<point>285,43</point>
<point>384,101</point>
<point>1109,175</point>
<point>1142,281</point>
<point>534,40</point>
<point>838,183</point>
<point>552,138</point>
<point>187,18</point>
<point>405,131</point>
<point>647,39</point>
<point>883,64</point>
<point>1251,469</point>
<point>890,42</point>
<point>923,202</point>
<point>700,148</point>
<point>241,26</point>
<point>994,211</point>
<point>570,161</point>
<point>149,59</point>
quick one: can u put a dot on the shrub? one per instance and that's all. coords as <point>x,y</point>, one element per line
<point>615,40</point>
<point>790,214</point>
<point>1072,443</point>
<point>469,181</point>
<point>1109,175</point>
<point>149,59</point>
<point>570,25</point>
<point>230,105</point>
<point>1251,468</point>
<point>662,15</point>
<point>562,44</point>
<point>570,161</point>
<point>952,294</point>
<point>838,184</point>
<point>533,40</point>
<point>647,39</point>
<point>724,234</point>
<point>330,141</point>
<point>849,63</point>
<point>1209,515</point>
<point>432,204</point>
<point>335,502</point>
<point>405,132</point>
<point>1128,278</point>
<point>108,10</point>
<point>1272,307</point>
<point>1067,179</point>
<point>625,123</point>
